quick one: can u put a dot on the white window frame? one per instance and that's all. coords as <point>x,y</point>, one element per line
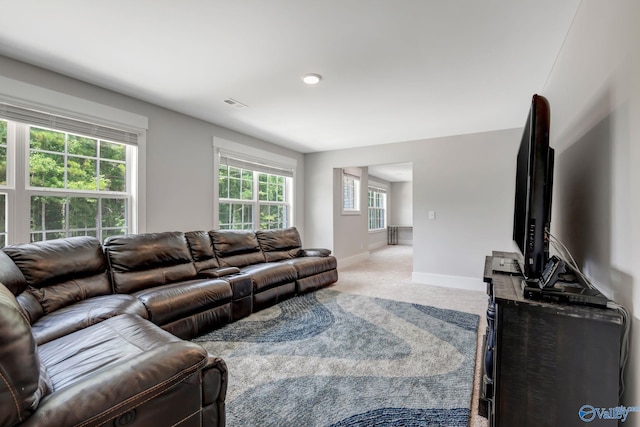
<point>383,192</point>
<point>354,175</point>
<point>256,203</point>
<point>36,98</point>
<point>226,148</point>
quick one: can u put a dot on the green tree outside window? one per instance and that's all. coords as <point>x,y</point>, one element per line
<point>238,201</point>
<point>59,160</point>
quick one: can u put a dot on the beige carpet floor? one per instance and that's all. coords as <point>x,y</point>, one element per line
<point>387,274</point>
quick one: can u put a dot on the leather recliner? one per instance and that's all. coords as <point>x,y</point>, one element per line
<point>157,269</point>
<point>314,267</point>
<point>84,328</point>
<point>207,265</point>
<point>272,282</point>
<point>63,285</point>
<point>121,371</point>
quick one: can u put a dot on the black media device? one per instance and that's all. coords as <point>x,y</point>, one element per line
<point>567,294</point>
<point>552,271</point>
<point>534,185</point>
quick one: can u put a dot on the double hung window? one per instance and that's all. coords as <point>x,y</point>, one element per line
<point>67,177</point>
<point>377,208</point>
<point>253,195</point>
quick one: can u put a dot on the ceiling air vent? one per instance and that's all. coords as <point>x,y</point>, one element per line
<point>235,104</point>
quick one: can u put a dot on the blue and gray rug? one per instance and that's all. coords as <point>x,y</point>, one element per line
<point>334,359</point>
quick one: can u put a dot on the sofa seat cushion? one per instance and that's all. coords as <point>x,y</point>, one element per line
<point>167,303</point>
<point>84,314</point>
<point>310,266</point>
<point>76,356</point>
<point>114,367</point>
<point>270,274</point>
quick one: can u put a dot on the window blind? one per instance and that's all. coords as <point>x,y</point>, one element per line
<point>350,175</point>
<point>255,165</point>
<point>378,189</point>
<point>66,124</point>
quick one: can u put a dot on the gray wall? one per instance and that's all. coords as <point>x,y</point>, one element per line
<point>401,203</point>
<point>594,93</point>
<point>354,226</point>
<point>467,180</point>
<point>179,166</point>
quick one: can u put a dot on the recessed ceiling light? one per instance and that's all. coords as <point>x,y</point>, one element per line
<point>311,78</point>
<point>235,104</point>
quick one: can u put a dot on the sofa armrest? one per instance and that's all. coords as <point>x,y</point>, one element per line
<point>120,390</point>
<point>314,252</point>
<point>214,392</point>
<point>216,273</point>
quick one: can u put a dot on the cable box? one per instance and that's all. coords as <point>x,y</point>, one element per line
<point>566,294</point>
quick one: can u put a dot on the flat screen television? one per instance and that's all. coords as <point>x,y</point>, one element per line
<point>533,192</point>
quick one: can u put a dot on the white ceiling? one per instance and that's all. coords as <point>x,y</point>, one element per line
<point>392,70</point>
<point>394,172</point>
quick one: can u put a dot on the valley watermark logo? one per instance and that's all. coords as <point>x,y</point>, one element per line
<point>588,413</point>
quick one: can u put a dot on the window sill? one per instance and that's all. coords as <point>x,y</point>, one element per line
<point>378,231</point>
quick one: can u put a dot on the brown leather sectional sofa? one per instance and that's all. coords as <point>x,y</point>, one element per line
<point>94,334</point>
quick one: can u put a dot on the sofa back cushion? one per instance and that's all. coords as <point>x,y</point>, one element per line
<point>279,244</point>
<point>140,261</point>
<point>23,379</point>
<point>63,271</point>
<point>201,249</point>
<point>236,248</point>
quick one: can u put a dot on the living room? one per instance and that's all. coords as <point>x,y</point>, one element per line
<point>594,91</point>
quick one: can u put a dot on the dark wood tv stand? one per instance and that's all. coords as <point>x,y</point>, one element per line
<point>543,361</point>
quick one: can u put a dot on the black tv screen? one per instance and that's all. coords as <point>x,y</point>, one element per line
<point>534,185</point>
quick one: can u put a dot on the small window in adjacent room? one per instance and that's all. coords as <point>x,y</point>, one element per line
<point>350,192</point>
<point>377,209</point>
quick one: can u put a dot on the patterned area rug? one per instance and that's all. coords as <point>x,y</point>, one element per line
<point>335,359</point>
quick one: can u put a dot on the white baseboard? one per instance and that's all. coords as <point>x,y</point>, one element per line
<point>374,246</point>
<point>351,260</point>
<point>405,242</point>
<point>457,282</point>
